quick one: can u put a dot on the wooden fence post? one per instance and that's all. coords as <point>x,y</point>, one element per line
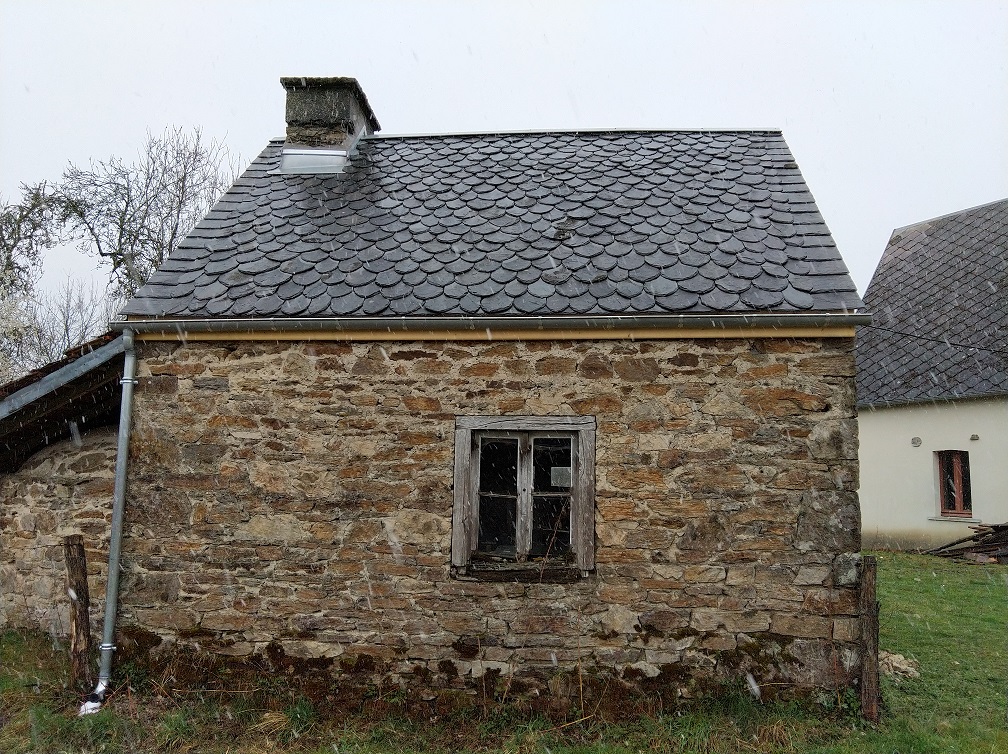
<point>81,673</point>
<point>869,608</point>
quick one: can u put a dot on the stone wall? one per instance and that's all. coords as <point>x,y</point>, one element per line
<point>64,489</point>
<point>300,494</point>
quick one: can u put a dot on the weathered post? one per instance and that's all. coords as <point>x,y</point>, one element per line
<point>81,673</point>
<point>870,695</point>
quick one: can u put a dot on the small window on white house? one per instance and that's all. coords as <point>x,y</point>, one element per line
<point>524,497</point>
<point>954,483</point>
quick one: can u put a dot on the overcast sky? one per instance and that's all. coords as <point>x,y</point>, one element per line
<point>895,111</point>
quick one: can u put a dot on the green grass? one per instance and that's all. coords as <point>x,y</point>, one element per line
<point>951,618</point>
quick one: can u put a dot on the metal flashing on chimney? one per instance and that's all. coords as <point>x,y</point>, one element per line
<point>303,160</point>
<point>307,161</point>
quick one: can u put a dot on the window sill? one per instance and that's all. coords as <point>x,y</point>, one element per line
<point>522,573</point>
<point>957,519</point>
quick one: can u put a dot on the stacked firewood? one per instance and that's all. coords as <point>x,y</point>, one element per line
<point>989,544</point>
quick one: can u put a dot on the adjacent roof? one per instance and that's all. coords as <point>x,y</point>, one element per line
<point>76,393</point>
<point>529,224</point>
<point>939,302</point>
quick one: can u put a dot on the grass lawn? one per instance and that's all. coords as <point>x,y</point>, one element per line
<point>951,618</point>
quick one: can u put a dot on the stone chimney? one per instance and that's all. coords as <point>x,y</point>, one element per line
<point>326,112</point>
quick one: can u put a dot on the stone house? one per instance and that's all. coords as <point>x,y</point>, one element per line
<point>507,403</point>
<point>933,381</point>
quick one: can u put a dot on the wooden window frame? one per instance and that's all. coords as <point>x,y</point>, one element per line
<point>961,496</point>
<point>465,512</point>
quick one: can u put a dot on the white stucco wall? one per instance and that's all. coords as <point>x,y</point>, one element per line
<point>899,492</point>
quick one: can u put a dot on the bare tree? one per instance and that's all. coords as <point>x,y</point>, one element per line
<point>27,228</point>
<point>133,216</point>
<point>51,324</point>
<point>71,315</point>
<point>13,324</point>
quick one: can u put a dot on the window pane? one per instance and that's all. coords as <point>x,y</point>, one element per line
<point>497,526</point>
<point>552,477</point>
<point>967,502</point>
<point>498,500</point>
<point>550,526</point>
<point>498,466</point>
<point>551,464</point>
<point>947,471</point>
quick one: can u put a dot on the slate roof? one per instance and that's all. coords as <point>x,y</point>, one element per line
<point>939,303</point>
<point>529,224</point>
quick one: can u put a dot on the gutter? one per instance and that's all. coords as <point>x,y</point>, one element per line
<point>926,400</point>
<point>95,699</point>
<point>483,327</point>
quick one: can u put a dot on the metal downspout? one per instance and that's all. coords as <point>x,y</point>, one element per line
<point>94,700</point>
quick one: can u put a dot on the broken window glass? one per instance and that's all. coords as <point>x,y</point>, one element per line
<point>525,484</point>
<point>498,497</point>
<point>552,467</point>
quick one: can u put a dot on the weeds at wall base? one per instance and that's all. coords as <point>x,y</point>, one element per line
<point>949,617</point>
<point>231,706</point>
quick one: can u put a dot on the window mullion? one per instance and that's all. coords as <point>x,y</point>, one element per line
<point>523,537</point>
<point>943,471</point>
<point>957,475</point>
<point>473,482</point>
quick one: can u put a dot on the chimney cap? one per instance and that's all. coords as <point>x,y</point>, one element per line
<point>336,83</point>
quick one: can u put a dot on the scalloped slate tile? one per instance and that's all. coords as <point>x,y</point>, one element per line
<point>718,300</point>
<point>757,298</point>
<point>696,284</point>
<point>678,301</point>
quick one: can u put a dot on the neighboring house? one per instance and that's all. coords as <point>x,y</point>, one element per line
<point>933,381</point>
<point>508,403</point>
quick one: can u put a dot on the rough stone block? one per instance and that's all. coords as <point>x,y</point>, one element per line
<point>704,574</point>
<point>847,629</point>
<point>804,626</point>
<point>812,576</point>
<point>747,622</point>
<point>847,569</point>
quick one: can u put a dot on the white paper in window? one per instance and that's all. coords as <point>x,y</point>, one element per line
<point>560,476</point>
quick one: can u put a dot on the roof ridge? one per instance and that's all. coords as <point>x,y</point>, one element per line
<point>946,216</point>
<point>566,131</point>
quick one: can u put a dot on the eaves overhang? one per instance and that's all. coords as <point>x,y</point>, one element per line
<point>819,324</point>
<point>925,402</point>
<point>51,383</point>
<point>81,394</point>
